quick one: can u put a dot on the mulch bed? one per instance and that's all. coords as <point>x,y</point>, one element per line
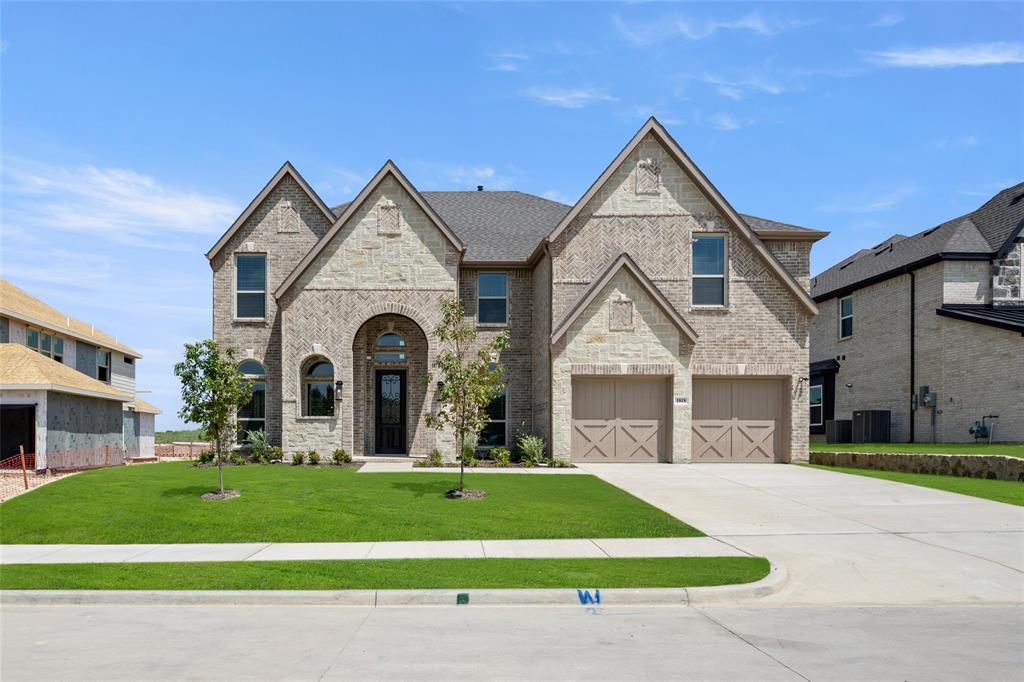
<point>217,495</point>
<point>456,494</point>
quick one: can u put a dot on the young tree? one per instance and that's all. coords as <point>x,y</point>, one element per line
<point>212,391</point>
<point>469,380</point>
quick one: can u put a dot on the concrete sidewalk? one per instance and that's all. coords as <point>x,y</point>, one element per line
<point>306,551</point>
<point>393,467</point>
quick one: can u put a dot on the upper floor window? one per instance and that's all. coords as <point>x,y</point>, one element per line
<point>253,415</point>
<point>390,348</point>
<point>492,298</point>
<point>47,344</point>
<point>815,396</point>
<point>103,366</point>
<point>250,286</point>
<point>709,270</point>
<point>318,391</point>
<point>846,317</point>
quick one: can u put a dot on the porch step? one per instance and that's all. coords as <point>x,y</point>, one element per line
<point>384,459</point>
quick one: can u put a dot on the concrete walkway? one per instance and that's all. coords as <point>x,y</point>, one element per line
<point>297,551</point>
<point>844,539</point>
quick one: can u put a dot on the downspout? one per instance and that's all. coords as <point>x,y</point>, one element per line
<point>913,381</point>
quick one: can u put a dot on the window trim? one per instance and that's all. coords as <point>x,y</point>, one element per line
<point>845,317</point>
<point>305,382</point>
<point>504,421</point>
<point>506,298</point>
<point>820,405</point>
<point>724,276</point>
<point>235,291</point>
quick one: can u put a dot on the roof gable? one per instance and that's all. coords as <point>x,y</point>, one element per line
<point>286,170</point>
<point>710,192</point>
<point>388,170</point>
<point>622,262</point>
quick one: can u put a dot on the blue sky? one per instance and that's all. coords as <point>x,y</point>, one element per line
<point>134,134</point>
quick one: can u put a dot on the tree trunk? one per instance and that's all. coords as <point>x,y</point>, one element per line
<point>220,466</point>
<point>462,463</point>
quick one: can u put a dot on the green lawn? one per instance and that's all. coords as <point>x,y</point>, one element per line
<point>1013,450</point>
<point>188,435</point>
<point>159,503</point>
<point>1009,492</point>
<point>388,574</point>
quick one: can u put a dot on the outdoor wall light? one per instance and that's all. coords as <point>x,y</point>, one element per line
<point>338,385</point>
<point>440,385</point>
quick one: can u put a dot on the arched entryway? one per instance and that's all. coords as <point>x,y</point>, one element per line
<point>389,361</point>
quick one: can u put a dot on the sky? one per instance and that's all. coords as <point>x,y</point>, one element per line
<point>132,135</point>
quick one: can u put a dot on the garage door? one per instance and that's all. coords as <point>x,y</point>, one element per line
<point>737,420</point>
<point>619,419</point>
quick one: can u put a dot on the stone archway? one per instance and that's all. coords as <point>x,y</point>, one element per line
<point>378,373</point>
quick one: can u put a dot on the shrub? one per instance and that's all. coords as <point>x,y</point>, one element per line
<point>204,457</point>
<point>469,456</point>
<point>531,450</point>
<point>259,448</point>
<point>276,454</point>
<point>313,457</point>
<point>433,460</point>
<point>341,456</point>
<point>237,458</point>
<point>501,456</point>
<point>298,458</point>
<point>559,463</point>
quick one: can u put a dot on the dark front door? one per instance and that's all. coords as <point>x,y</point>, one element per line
<point>390,412</point>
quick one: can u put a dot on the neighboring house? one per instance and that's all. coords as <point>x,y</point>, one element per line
<point>67,390</point>
<point>649,322</point>
<point>942,309</point>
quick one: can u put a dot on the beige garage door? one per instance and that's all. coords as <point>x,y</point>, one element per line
<point>619,419</point>
<point>737,420</point>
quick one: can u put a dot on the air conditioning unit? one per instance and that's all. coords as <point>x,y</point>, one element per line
<point>838,430</point>
<point>871,426</point>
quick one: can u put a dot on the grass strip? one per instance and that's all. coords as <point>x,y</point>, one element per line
<point>388,574</point>
<point>1009,492</point>
<point>1011,450</point>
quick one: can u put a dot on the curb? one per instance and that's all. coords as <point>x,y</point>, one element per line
<point>590,598</point>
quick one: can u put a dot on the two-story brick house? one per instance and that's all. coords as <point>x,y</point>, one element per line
<point>649,322</point>
<point>67,389</point>
<point>941,308</point>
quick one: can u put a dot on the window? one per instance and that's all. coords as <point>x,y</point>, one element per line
<point>815,395</point>
<point>253,415</point>
<point>128,360</point>
<point>46,344</point>
<point>390,348</point>
<point>492,298</point>
<point>709,270</point>
<point>103,366</point>
<point>846,317</point>
<point>493,433</point>
<point>250,286</point>
<point>319,389</point>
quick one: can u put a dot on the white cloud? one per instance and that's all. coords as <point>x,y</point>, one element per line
<point>724,121</point>
<point>568,98</point>
<point>988,189</point>
<point>558,196</point>
<point>508,61</point>
<point>640,33</point>
<point>737,89</point>
<point>981,54</point>
<point>887,20</point>
<point>116,204</point>
<point>869,202</point>
<point>956,142</point>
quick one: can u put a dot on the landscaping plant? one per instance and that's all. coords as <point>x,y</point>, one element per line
<point>468,457</point>
<point>433,460</point>
<point>469,379</point>
<point>341,456</point>
<point>212,391</point>
<point>314,457</point>
<point>501,456</point>
<point>298,458</point>
<point>259,449</point>
<point>531,450</point>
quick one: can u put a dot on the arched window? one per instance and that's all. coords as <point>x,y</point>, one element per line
<point>318,389</point>
<point>390,348</point>
<point>253,416</point>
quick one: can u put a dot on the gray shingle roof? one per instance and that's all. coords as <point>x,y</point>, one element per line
<point>506,226</point>
<point>982,232</point>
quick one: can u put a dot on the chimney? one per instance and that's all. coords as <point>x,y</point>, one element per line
<point>479,188</point>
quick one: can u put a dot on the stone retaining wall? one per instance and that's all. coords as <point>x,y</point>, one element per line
<point>994,467</point>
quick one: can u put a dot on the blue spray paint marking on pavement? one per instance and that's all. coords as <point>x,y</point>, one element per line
<point>586,598</point>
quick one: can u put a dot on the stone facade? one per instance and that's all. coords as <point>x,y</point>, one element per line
<point>1006,278</point>
<point>975,370</point>
<point>992,467</point>
<point>761,319</point>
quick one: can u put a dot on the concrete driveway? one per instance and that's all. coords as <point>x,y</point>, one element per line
<point>845,539</point>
